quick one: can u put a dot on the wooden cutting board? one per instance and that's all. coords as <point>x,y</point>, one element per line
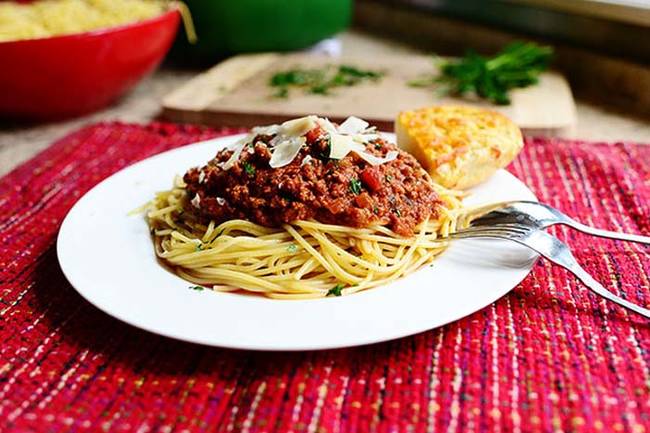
<point>236,93</point>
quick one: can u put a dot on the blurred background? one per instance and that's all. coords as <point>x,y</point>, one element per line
<point>66,63</point>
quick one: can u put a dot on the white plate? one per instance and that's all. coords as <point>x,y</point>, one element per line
<point>108,258</point>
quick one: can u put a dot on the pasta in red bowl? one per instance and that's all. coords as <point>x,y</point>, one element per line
<point>63,75</point>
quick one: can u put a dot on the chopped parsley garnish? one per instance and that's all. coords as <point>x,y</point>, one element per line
<point>249,169</point>
<point>519,64</point>
<point>319,89</point>
<point>199,247</point>
<point>197,288</point>
<point>388,178</point>
<point>292,248</point>
<point>351,71</point>
<point>397,212</point>
<point>335,291</point>
<point>355,186</point>
<point>320,81</point>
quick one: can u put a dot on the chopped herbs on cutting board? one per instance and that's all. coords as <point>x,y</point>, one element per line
<point>519,64</point>
<point>320,81</point>
<point>247,78</point>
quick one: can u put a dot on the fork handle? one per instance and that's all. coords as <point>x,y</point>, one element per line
<point>609,234</point>
<point>602,291</point>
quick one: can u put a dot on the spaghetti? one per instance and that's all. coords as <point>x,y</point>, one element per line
<point>304,259</point>
<point>47,18</point>
<point>375,215</point>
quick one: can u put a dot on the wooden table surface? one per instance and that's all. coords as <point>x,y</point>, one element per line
<point>19,142</point>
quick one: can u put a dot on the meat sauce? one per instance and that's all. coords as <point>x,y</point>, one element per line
<point>349,191</point>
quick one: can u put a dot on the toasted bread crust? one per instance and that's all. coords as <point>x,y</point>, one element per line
<point>459,146</point>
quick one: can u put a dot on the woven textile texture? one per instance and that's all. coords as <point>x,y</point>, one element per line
<point>550,356</point>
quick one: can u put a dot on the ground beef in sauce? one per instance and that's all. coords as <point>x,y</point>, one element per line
<point>397,194</point>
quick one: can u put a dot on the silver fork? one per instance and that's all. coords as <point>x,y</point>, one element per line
<point>549,247</point>
<point>542,216</point>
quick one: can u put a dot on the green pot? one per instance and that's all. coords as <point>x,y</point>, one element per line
<point>226,27</point>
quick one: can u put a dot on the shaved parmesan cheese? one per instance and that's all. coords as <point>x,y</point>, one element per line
<point>286,151</point>
<point>277,140</point>
<point>237,149</point>
<point>298,126</point>
<point>341,145</point>
<point>202,177</point>
<point>221,201</point>
<point>353,125</point>
<point>376,160</point>
<point>327,125</point>
<point>364,138</point>
<point>288,138</point>
<point>196,201</point>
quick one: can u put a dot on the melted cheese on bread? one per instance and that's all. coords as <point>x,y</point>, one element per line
<point>459,146</point>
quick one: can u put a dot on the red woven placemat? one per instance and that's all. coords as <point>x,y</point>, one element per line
<point>550,356</point>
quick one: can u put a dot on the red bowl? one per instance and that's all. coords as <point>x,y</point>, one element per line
<point>63,76</point>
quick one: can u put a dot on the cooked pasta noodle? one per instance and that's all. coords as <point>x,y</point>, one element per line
<point>304,259</point>
<point>47,18</point>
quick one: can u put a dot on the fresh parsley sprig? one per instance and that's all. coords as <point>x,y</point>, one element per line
<point>519,64</point>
